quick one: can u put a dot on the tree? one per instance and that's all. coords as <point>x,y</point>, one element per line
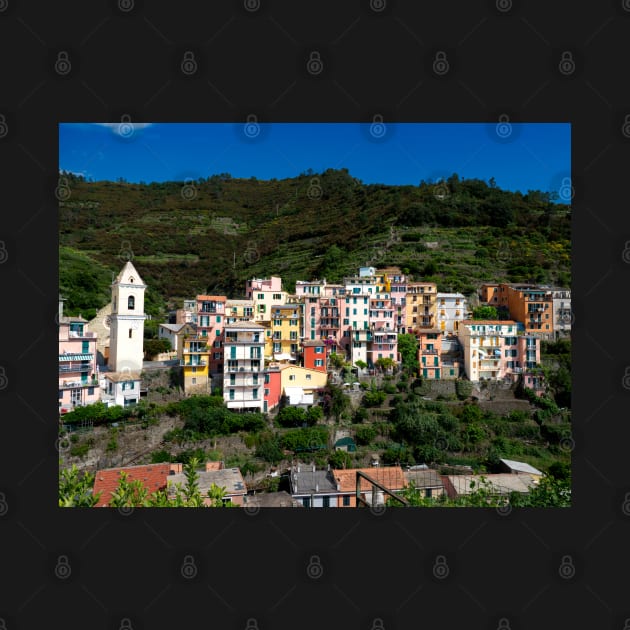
<point>485,312</point>
<point>152,347</point>
<point>408,348</point>
<point>291,417</point>
<point>361,364</point>
<point>340,459</point>
<point>75,488</point>
<point>385,363</point>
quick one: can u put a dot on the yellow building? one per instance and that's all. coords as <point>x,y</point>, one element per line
<point>194,357</point>
<point>263,300</point>
<point>300,384</point>
<point>287,328</point>
<point>239,311</point>
<point>420,305</point>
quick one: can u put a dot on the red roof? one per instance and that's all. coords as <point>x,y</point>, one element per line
<point>153,478</point>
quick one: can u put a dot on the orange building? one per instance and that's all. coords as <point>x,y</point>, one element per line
<point>430,352</point>
<point>211,314</point>
<point>532,306</point>
<point>315,355</point>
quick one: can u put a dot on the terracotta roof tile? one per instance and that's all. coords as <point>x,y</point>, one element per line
<point>392,477</point>
<point>153,478</point>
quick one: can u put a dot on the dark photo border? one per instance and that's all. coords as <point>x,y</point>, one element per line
<point>310,568</point>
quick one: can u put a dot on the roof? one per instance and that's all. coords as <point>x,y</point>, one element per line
<point>311,481</point>
<point>392,477</point>
<point>456,295</point>
<point>129,270</point>
<point>152,476</point>
<point>72,318</point>
<point>214,465</point>
<point>424,478</point>
<point>313,343</point>
<point>216,298</point>
<point>501,483</point>
<point>272,500</point>
<point>228,478</point>
<point>118,377</point>
<point>173,327</point>
<point>70,356</point>
<point>521,467</point>
<point>231,302</point>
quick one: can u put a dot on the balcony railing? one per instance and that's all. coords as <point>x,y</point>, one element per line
<point>66,369</point>
<point>75,384</point>
<point>184,363</point>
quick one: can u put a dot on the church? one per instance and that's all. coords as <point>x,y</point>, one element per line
<point>120,385</point>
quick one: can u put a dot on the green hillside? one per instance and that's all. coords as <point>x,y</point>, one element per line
<point>210,235</point>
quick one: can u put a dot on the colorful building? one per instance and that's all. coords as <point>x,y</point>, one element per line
<point>211,313</point>
<point>194,359</point>
<point>532,306</point>
<point>273,388</point>
<point>301,385</point>
<point>430,353</point>
<point>500,350</point>
<point>315,356</point>
<point>262,284</point>
<point>78,373</point>
<point>239,311</point>
<point>243,367</point>
<point>420,301</point>
<point>451,310</point>
<point>286,332</point>
<point>561,310</point>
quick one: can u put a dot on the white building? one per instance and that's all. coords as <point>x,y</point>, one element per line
<point>451,309</point>
<point>169,331</point>
<point>121,384</point>
<point>243,366</point>
<point>561,310</point>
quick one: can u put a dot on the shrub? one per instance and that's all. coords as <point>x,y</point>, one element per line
<point>365,434</point>
<point>389,388</point>
<point>361,414</point>
<point>373,398</point>
<point>159,457</point>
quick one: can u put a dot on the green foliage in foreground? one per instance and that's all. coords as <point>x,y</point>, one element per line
<point>75,490</point>
<point>550,492</point>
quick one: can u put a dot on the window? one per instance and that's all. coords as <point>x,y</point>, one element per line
<point>291,377</point>
<point>267,378</point>
<point>216,356</point>
<point>308,377</point>
<point>306,501</point>
<point>346,501</point>
<point>194,381</point>
<point>277,296</point>
<point>319,362</point>
<point>130,333</point>
<point>231,394</point>
<point>218,319</point>
<point>194,370</point>
<point>255,393</point>
<point>131,303</point>
<point>261,296</point>
<point>428,492</point>
<point>326,501</point>
<point>232,379</point>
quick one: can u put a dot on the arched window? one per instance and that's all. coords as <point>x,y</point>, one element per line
<point>131,302</point>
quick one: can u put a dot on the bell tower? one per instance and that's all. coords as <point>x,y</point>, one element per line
<point>127,321</point>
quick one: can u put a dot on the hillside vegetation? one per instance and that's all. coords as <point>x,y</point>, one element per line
<point>210,235</point>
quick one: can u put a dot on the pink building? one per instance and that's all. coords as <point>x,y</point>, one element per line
<point>211,314</point>
<point>259,284</point>
<point>501,350</point>
<point>78,377</point>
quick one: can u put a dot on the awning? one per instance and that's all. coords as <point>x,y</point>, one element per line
<point>76,357</point>
<point>283,357</point>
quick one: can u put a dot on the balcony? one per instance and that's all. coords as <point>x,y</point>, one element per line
<point>75,384</point>
<point>68,369</point>
<point>429,351</point>
<point>183,363</point>
<point>74,334</point>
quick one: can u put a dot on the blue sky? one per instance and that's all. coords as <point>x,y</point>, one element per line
<point>520,157</point>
